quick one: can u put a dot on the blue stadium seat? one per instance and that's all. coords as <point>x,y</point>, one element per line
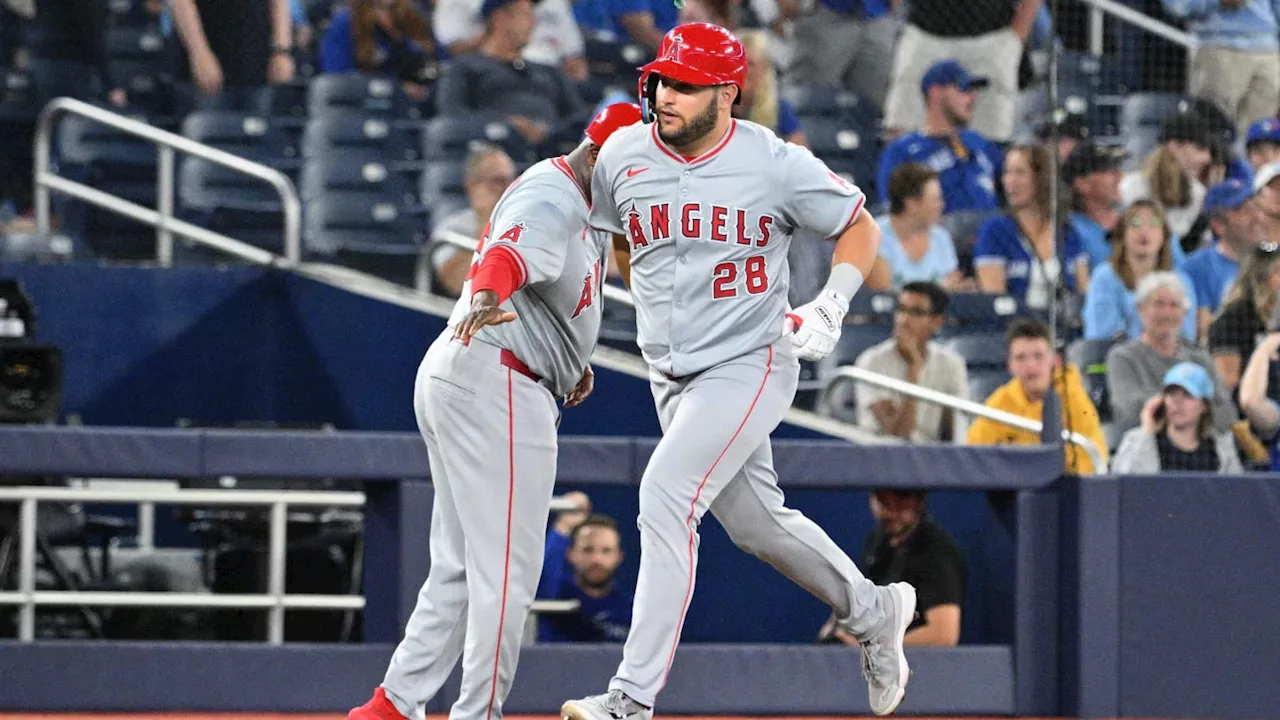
<point>607,58</point>
<point>148,91</point>
<point>353,171</point>
<point>361,131</point>
<point>250,136</point>
<point>856,338</point>
<point>985,380</point>
<point>832,102</point>
<point>366,232</point>
<point>1090,356</point>
<point>355,92</point>
<point>875,307</point>
<point>81,141</point>
<point>841,141</point>
<point>231,203</point>
<point>132,44</point>
<point>451,137</point>
<point>970,311</point>
<point>441,183</point>
<point>1147,110</point>
<point>982,349</point>
<point>289,101</point>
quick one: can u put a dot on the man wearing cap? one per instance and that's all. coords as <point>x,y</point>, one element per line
<point>1237,63</point>
<point>1213,268</point>
<point>1262,143</point>
<point>987,36</point>
<point>1266,189</point>
<point>1177,430</point>
<point>532,97</point>
<point>1071,128</point>
<point>966,162</point>
<point>1092,172</point>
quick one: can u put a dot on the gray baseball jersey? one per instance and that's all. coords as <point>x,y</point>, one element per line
<point>542,221</point>
<point>709,236</point>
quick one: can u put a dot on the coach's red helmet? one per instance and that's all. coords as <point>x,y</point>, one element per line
<point>614,117</point>
<point>697,54</point>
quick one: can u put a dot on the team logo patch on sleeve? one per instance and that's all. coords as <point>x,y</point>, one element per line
<point>844,184</point>
<point>513,233</point>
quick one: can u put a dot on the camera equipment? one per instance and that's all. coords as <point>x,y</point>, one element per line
<point>31,374</point>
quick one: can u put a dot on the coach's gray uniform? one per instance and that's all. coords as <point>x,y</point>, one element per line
<point>709,239</point>
<point>490,430</point>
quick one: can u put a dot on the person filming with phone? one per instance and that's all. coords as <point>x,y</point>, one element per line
<point>1177,433</point>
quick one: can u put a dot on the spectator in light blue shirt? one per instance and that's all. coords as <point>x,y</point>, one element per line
<point>913,247</point>
<point>1212,269</point>
<point>1142,247</point>
<point>1237,65</point>
<point>967,163</point>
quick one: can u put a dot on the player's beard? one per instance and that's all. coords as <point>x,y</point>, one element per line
<point>694,129</point>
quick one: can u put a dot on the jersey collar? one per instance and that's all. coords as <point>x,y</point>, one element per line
<point>683,160</point>
<point>563,166</point>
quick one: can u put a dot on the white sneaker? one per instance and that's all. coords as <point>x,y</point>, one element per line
<point>884,664</point>
<point>613,705</point>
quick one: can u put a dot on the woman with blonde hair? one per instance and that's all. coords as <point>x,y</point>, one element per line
<point>1171,173</point>
<point>761,103</point>
<point>1234,332</point>
<point>383,37</point>
<point>1142,245</point>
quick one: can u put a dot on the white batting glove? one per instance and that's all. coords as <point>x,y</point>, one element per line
<point>815,327</point>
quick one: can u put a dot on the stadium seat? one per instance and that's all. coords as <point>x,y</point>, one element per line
<point>442,183</point>
<point>132,44</point>
<point>352,171</point>
<point>451,137</point>
<point>249,136</point>
<point>832,102</point>
<point>876,307</point>
<point>980,349</point>
<point>366,232</point>
<point>856,338</point>
<point>849,148</point>
<point>360,131</point>
<point>968,311</point>
<point>1090,356</point>
<point>612,59</point>
<point>984,381</point>
<point>355,92</point>
<point>1147,110</point>
<point>232,203</point>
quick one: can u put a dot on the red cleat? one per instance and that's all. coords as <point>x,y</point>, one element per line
<point>378,708</point>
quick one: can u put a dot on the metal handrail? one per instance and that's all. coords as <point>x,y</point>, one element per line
<point>1099,9</point>
<point>969,407</point>
<point>162,218</point>
<point>275,601</point>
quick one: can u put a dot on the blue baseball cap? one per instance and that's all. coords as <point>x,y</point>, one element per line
<point>1226,195</point>
<point>1264,130</point>
<point>1190,377</point>
<point>950,72</point>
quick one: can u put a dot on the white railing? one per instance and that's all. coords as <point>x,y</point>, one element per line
<point>161,218</point>
<point>1100,9</point>
<point>855,374</point>
<point>275,600</point>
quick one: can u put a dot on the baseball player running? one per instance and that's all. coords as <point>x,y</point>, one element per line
<point>485,399</point>
<point>705,207</point>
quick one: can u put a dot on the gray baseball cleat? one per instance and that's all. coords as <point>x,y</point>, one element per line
<point>613,705</point>
<point>883,662</point>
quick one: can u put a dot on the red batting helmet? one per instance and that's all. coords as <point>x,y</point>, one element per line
<point>614,117</point>
<point>697,54</point>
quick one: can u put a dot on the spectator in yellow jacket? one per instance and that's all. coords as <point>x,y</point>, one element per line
<point>1031,362</point>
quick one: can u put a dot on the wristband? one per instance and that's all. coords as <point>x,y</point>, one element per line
<point>845,281</point>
